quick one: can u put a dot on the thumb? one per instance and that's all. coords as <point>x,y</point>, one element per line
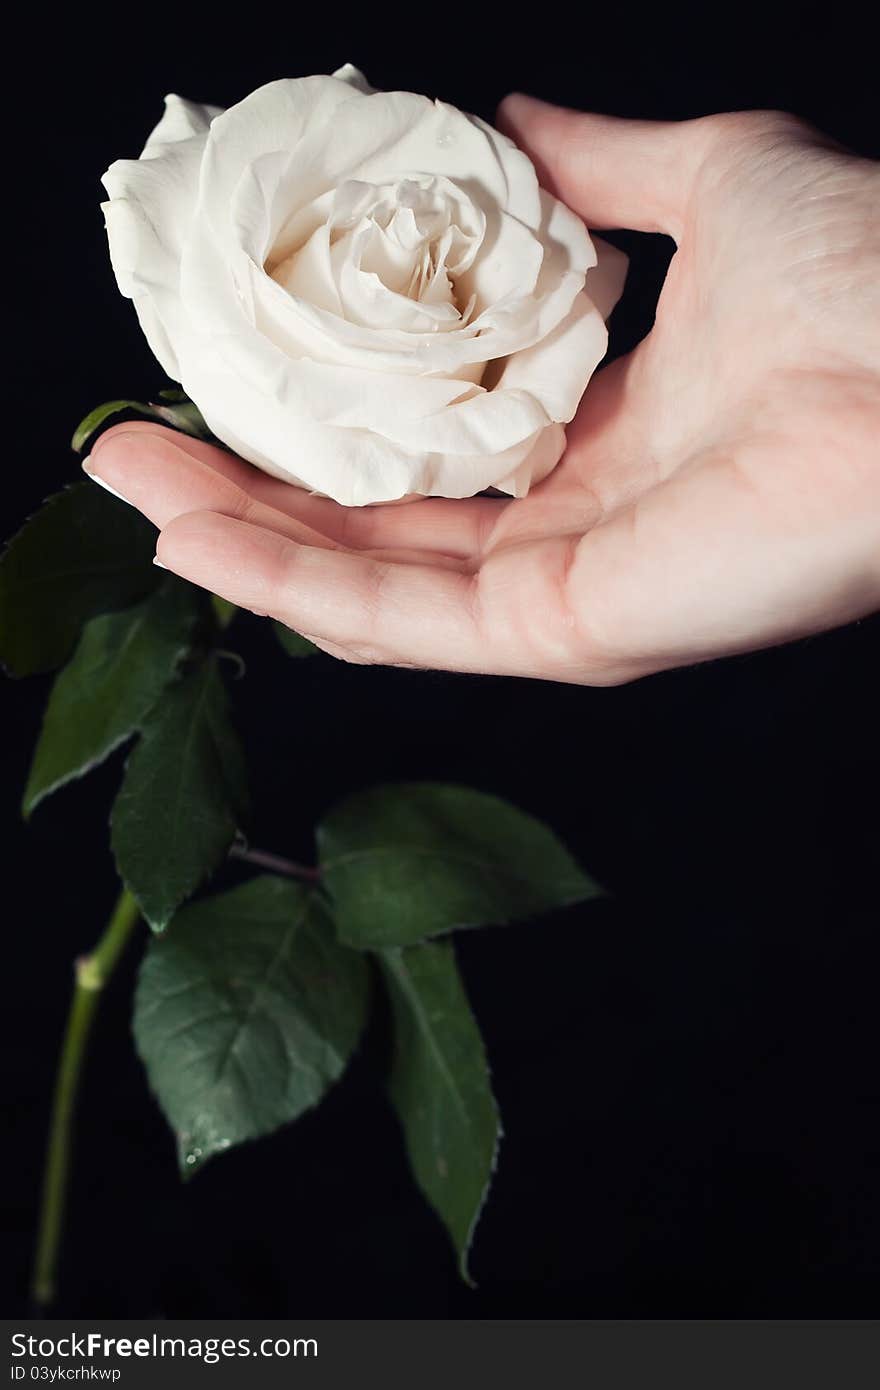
<point>614,173</point>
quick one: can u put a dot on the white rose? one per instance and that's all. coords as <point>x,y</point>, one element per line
<point>365,293</point>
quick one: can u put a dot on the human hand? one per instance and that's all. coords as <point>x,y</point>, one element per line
<point>721,486</point>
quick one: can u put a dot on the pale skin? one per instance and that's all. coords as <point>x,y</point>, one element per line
<point>720,490</point>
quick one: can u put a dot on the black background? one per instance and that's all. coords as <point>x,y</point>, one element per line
<point>688,1071</point>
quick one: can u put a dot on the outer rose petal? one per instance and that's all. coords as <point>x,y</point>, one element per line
<point>152,201</point>
<point>180,121</point>
<point>605,281</point>
<point>354,466</point>
<point>546,451</point>
<point>354,77</point>
<point>553,372</point>
<point>555,369</point>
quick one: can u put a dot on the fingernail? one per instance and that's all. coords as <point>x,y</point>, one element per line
<point>158,563</point>
<point>100,481</point>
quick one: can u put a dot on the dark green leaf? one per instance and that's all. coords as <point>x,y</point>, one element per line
<point>183,796</point>
<point>407,862</point>
<point>440,1087</point>
<point>246,1013</point>
<point>83,553</point>
<point>95,419</point>
<point>292,643</point>
<point>121,666</point>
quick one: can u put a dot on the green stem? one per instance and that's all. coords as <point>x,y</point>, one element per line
<point>91,974</point>
<point>274,862</point>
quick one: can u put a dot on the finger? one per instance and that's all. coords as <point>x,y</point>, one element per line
<point>152,472</point>
<point>163,480</point>
<point>614,173</point>
<point>458,527</point>
<point>453,527</point>
<point>374,609</point>
<point>222,460</point>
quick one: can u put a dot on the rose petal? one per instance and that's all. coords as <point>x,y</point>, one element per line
<point>605,281</point>
<point>354,77</point>
<point>556,369</point>
<point>355,467</point>
<point>152,202</point>
<point>181,120</point>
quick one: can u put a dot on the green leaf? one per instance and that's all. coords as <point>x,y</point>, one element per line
<point>117,673</point>
<point>292,643</point>
<point>180,413</point>
<point>440,1087</point>
<point>224,611</point>
<point>185,417</point>
<point>246,1013</point>
<point>95,419</point>
<point>183,795</point>
<point>407,862</point>
<point>83,553</point>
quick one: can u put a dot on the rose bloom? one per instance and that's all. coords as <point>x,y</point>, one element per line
<point>365,293</point>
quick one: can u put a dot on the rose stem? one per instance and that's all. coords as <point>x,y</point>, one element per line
<point>265,860</point>
<point>91,973</point>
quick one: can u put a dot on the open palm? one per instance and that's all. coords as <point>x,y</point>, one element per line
<point>721,485</point>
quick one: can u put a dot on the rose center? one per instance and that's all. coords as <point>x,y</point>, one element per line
<point>390,254</point>
<point>415,235</point>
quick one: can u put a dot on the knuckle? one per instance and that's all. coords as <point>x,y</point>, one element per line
<point>732,140</point>
<point>737,149</point>
<point>353,527</point>
<point>735,126</point>
<point>240,505</point>
<point>486,528</point>
<point>605,654</point>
